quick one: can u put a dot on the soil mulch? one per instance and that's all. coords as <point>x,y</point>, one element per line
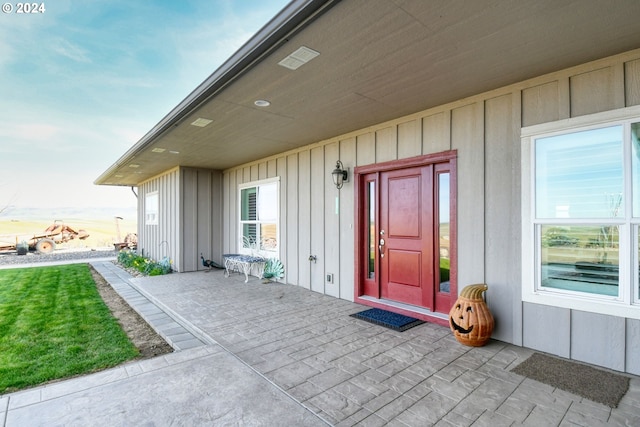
<point>144,337</point>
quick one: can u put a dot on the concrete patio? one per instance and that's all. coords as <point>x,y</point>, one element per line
<point>274,354</point>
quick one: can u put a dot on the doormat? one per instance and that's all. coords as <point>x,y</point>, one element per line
<point>594,384</point>
<point>395,321</point>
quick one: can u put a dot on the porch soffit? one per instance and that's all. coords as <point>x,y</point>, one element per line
<point>381,60</point>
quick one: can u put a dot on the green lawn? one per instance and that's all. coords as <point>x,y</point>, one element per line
<point>53,324</point>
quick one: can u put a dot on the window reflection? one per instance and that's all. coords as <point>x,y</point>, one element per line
<point>372,229</point>
<point>580,174</point>
<point>259,217</point>
<point>443,230</point>
<point>581,258</point>
<point>635,156</point>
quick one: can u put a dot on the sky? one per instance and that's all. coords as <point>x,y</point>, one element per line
<point>84,80</point>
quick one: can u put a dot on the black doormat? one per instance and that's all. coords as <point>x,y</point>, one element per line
<point>594,384</point>
<point>395,321</point>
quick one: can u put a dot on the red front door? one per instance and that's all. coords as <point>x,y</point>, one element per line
<point>406,223</point>
<point>405,236</point>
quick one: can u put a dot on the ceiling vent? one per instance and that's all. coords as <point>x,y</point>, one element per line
<point>201,122</point>
<point>298,58</point>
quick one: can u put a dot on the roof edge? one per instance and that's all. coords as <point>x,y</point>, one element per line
<point>293,18</point>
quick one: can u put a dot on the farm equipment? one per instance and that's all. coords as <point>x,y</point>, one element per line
<point>44,242</point>
<point>130,240</point>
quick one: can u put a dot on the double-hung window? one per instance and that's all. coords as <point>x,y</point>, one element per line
<point>259,203</point>
<point>581,213</point>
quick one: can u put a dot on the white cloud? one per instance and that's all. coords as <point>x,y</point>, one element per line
<point>65,189</point>
<point>38,132</point>
<point>86,80</point>
<point>219,33</point>
<point>72,51</point>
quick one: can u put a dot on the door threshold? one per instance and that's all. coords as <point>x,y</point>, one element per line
<point>405,309</point>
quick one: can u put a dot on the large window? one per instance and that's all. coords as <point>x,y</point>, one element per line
<point>259,218</point>
<point>581,213</point>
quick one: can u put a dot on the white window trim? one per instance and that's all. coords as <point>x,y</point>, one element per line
<point>629,304</point>
<point>240,246</point>
<point>146,207</point>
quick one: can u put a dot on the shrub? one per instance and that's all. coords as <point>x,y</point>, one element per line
<point>558,236</point>
<point>147,266</point>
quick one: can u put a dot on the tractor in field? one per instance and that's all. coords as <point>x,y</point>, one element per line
<point>44,242</point>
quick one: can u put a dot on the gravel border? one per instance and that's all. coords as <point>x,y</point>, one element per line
<point>12,258</point>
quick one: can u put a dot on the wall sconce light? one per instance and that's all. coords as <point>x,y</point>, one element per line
<point>339,174</point>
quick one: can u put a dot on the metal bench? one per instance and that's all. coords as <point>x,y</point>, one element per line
<point>243,264</point>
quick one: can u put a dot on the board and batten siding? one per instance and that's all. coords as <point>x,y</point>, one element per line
<point>161,240</point>
<point>190,217</point>
<point>317,219</point>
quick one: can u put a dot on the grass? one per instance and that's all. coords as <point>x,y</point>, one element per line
<point>54,324</point>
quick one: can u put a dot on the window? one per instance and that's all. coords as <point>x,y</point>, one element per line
<point>581,213</point>
<point>443,230</point>
<point>151,208</point>
<point>259,218</point>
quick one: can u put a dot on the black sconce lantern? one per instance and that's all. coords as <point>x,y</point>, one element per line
<point>339,174</point>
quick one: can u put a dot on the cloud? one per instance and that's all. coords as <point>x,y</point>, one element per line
<point>64,188</point>
<point>85,81</point>
<point>6,52</point>
<point>66,48</point>
<point>38,132</point>
<point>221,29</point>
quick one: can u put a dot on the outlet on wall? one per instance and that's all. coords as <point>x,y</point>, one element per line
<point>329,277</point>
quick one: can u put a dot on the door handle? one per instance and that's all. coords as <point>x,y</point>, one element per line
<point>380,248</point>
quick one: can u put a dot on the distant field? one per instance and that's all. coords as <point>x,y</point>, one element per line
<point>102,232</point>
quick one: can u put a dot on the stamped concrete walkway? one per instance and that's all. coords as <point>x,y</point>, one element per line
<point>280,355</point>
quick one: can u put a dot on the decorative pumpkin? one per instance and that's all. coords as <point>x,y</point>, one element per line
<point>470,318</point>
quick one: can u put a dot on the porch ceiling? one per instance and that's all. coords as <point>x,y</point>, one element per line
<point>379,60</point>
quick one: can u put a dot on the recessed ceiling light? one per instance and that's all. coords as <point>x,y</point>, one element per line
<point>201,122</point>
<point>297,59</point>
<point>118,176</point>
<point>262,103</point>
<point>159,150</point>
<point>133,165</point>
<point>174,152</point>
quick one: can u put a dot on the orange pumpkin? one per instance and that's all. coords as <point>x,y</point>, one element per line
<point>470,318</point>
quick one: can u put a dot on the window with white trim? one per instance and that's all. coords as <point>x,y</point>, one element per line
<point>581,213</point>
<point>259,218</point>
<point>151,203</point>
